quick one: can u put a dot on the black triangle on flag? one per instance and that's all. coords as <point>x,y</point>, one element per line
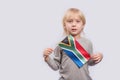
<point>65,41</point>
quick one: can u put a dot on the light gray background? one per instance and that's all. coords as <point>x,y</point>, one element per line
<point>29,26</point>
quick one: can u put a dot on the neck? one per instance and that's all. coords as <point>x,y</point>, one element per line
<point>76,36</point>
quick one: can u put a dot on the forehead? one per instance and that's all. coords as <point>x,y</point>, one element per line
<point>73,16</point>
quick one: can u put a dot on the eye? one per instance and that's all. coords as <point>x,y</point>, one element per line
<point>69,21</point>
<point>77,21</point>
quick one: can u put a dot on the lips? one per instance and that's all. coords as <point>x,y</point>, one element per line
<point>74,29</point>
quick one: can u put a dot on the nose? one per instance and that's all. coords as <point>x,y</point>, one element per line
<point>74,24</point>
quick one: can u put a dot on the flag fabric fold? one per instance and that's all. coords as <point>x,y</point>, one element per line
<point>74,51</point>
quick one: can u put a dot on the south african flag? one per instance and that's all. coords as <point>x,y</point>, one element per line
<point>75,51</point>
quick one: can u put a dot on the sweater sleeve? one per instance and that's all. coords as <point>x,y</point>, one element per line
<point>54,62</point>
<point>91,62</point>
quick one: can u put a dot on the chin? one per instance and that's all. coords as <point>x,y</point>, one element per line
<point>74,34</point>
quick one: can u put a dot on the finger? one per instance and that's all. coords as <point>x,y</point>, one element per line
<point>97,61</point>
<point>47,51</point>
<point>50,49</point>
<point>46,54</point>
<point>94,57</point>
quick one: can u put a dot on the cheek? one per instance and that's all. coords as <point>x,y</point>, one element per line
<point>81,26</point>
<point>67,26</point>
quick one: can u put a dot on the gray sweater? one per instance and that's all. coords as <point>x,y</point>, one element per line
<point>67,68</point>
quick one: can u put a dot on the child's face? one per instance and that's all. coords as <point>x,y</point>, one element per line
<point>74,26</point>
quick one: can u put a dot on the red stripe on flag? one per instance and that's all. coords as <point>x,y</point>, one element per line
<point>82,50</point>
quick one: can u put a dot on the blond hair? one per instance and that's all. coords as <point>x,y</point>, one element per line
<point>71,13</point>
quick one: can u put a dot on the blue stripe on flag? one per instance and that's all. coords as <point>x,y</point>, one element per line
<point>74,58</point>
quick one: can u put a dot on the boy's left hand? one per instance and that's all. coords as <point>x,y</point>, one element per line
<point>97,57</point>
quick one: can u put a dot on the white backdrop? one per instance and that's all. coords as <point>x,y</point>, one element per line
<point>29,26</point>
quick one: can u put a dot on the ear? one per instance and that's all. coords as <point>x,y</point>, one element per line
<point>64,25</point>
<point>65,28</point>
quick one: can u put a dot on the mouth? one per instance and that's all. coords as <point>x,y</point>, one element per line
<point>74,30</point>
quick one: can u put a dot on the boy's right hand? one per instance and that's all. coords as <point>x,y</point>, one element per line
<point>46,53</point>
